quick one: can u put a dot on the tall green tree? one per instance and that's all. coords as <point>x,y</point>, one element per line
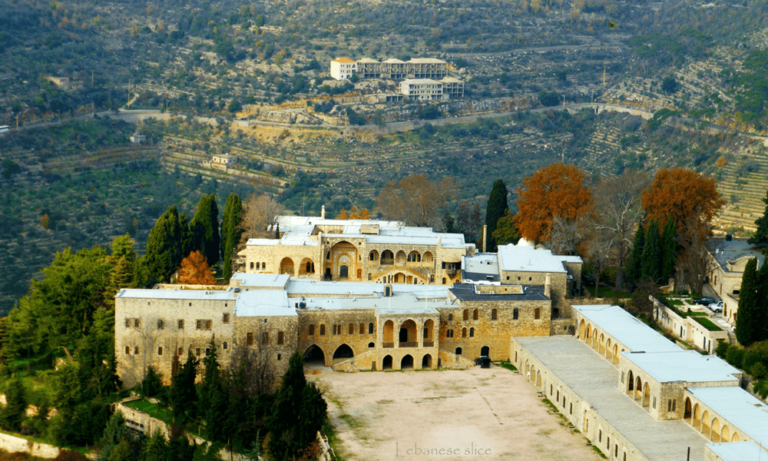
<point>187,243</point>
<point>634,271</point>
<point>183,395</point>
<point>669,250</point>
<point>762,302</point>
<point>748,314</point>
<point>12,414</point>
<point>760,238</point>
<point>284,441</point>
<point>212,405</point>
<point>506,230</point>
<point>495,210</point>
<point>652,252</point>
<point>230,232</point>
<point>205,229</point>
<point>164,246</point>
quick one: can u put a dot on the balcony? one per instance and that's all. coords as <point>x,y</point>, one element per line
<point>387,262</point>
<point>409,344</point>
<point>389,345</point>
<point>429,344</point>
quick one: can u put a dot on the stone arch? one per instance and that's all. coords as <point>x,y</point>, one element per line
<point>608,350</point>
<point>587,333</point>
<point>646,395</point>
<point>715,430</point>
<point>344,256</point>
<point>343,352</point>
<point>705,424</point>
<point>306,267</point>
<point>485,351</point>
<point>386,363</point>
<point>389,331</point>
<point>532,374</point>
<point>400,258</point>
<point>725,434</point>
<point>387,258</point>
<point>696,418</point>
<point>616,354</point>
<point>735,437</point>
<point>428,258</point>
<point>314,353</point>
<point>414,257</point>
<point>429,330</point>
<point>373,256</point>
<point>638,389</point>
<point>581,329</point>
<point>601,345</point>
<point>527,368</point>
<point>406,363</point>
<point>286,266</point>
<point>426,362</point>
<point>464,332</point>
<point>538,379</point>
<point>595,344</point>
<point>630,383</point>
<point>408,332</point>
<point>687,412</point>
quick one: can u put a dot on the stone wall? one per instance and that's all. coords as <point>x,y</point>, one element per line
<point>13,444</point>
<point>323,335</point>
<point>275,336</point>
<point>558,290</point>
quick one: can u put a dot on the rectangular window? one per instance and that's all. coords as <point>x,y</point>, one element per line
<point>181,324</point>
<point>351,328</point>
<point>136,323</point>
<point>208,324</point>
<point>600,436</point>
<point>322,330</point>
<point>226,318</point>
<point>181,351</point>
<point>249,339</point>
<point>370,328</point>
<point>362,328</point>
<point>160,325</point>
<point>199,324</point>
<point>197,352</point>
<point>136,350</point>
<point>127,323</point>
<point>280,337</point>
<point>127,349</point>
<point>160,351</point>
<point>265,338</point>
<point>311,330</point>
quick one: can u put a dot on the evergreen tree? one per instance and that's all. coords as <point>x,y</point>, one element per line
<point>762,302</point>
<point>634,271</point>
<point>669,250</point>
<point>183,394</point>
<point>205,229</point>
<point>312,415</point>
<point>163,246</point>
<point>213,397</point>
<point>284,421</point>
<point>12,414</point>
<point>230,232</point>
<point>156,448</point>
<point>748,314</point>
<point>760,238</point>
<point>187,245</point>
<point>495,210</point>
<point>113,434</point>
<point>652,252</point>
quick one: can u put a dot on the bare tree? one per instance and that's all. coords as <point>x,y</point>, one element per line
<point>260,212</point>
<point>618,211</point>
<point>469,220</point>
<point>564,235</point>
<point>415,200</point>
<point>254,361</point>
<point>598,249</point>
<point>694,262</point>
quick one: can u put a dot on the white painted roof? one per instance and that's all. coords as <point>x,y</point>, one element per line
<point>400,303</point>
<point>394,61</point>
<point>688,366</point>
<point>421,81</point>
<point>368,61</point>
<point>263,303</point>
<point>748,414</point>
<point>528,259</point>
<point>427,61</point>
<point>312,287</point>
<point>627,329</point>
<point>261,280</point>
<point>739,451</point>
<point>224,294</point>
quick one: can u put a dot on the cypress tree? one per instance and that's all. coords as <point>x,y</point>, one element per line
<point>205,229</point>
<point>760,238</point>
<point>163,250</point>
<point>652,252</point>
<point>230,232</point>
<point>497,207</point>
<point>183,394</point>
<point>762,301</point>
<point>186,236</point>
<point>748,313</point>
<point>669,250</point>
<point>212,405</point>
<point>12,414</point>
<point>287,408</point>
<point>634,268</point>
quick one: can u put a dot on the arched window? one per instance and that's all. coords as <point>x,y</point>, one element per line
<point>537,314</point>
<point>351,328</point>
<point>474,315</point>
<point>494,315</point>
<point>515,314</point>
<point>463,332</point>
<point>466,314</point>
<point>328,255</point>
<point>322,330</point>
<point>311,330</point>
<point>458,351</point>
<point>471,332</point>
<point>127,349</point>
<point>443,280</point>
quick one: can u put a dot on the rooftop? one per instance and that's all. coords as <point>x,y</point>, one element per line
<point>399,303</point>
<point>227,294</point>
<point>421,81</point>
<point>748,414</point>
<point>739,451</point>
<point>594,379</point>
<point>725,251</point>
<point>686,366</point>
<point>481,267</point>
<point>344,60</point>
<point>626,329</point>
<point>368,60</point>
<point>263,303</point>
<point>528,259</point>
<point>467,292</point>
<point>261,280</point>
<point>427,61</point>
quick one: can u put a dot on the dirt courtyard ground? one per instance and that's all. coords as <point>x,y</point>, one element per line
<point>473,414</point>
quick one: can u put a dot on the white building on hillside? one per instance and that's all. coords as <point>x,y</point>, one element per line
<point>343,68</point>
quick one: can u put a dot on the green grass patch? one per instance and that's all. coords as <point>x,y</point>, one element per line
<point>706,323</point>
<point>594,447</point>
<point>507,365</point>
<point>551,405</point>
<point>152,409</point>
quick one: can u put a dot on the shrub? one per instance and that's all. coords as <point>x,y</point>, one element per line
<point>758,370</point>
<point>722,349</point>
<point>735,356</point>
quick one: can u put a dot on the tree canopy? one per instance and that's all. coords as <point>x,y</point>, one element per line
<point>205,229</point>
<point>760,237</point>
<point>230,232</point>
<point>416,200</point>
<point>195,270</point>
<point>496,209</point>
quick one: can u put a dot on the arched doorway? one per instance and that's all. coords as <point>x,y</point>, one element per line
<point>386,364</point>
<point>387,258</point>
<point>646,396</point>
<point>638,390</point>
<point>581,330</point>
<point>389,333</point>
<point>696,421</point>
<point>616,354</point>
<point>406,363</point>
<point>538,379</point>
<point>343,352</point>
<point>715,435</point>
<point>485,351</point>
<point>314,354</point>
<point>343,259</point>
<point>735,437</point>
<point>408,333</point>
<point>426,362</point>
<point>687,412</point>
<point>630,383</point>
<point>343,272</point>
<point>429,327</point>
<point>306,267</point>
<point>726,435</point>
<point>400,258</point>
<point>286,266</point>
<point>705,424</point>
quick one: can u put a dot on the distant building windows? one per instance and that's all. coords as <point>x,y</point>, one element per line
<point>181,324</point>
<point>494,315</point>
<point>449,333</point>
<point>471,332</point>
<point>160,350</point>
<point>450,317</point>
<point>537,314</point>
<point>204,324</point>
<point>127,349</point>
<point>311,330</point>
<point>458,351</point>
<point>265,338</point>
<point>160,325</point>
<point>475,315</point>
<point>249,339</point>
<point>463,332</point>
<point>280,337</point>
<point>515,314</point>
<point>224,345</point>
<point>136,350</point>
<point>322,330</point>
<point>225,318</point>
<point>197,352</point>
<point>466,314</point>
<point>351,328</point>
<point>370,328</point>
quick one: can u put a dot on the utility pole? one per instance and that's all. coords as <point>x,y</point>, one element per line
<point>603,76</point>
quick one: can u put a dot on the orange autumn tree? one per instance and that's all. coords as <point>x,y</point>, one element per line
<point>354,213</point>
<point>194,270</point>
<point>554,191</point>
<point>683,195</point>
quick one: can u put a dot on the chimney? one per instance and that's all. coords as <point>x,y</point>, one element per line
<point>485,239</point>
<point>322,212</point>
<point>548,286</point>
